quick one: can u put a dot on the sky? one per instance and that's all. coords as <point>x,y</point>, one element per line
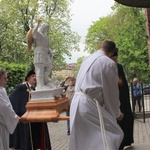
<point>84,12</point>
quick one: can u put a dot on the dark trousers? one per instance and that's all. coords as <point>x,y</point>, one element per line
<point>68,124</point>
<point>138,100</point>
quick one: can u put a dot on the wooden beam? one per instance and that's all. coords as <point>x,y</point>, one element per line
<point>147,13</point>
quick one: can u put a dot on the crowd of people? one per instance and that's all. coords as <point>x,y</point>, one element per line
<point>100,112</point>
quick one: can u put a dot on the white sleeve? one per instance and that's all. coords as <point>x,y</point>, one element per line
<point>8,116</point>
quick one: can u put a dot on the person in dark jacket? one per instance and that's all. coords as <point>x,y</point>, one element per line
<point>27,136</point>
<point>137,94</point>
<point>127,123</point>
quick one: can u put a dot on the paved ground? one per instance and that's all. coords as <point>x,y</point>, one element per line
<point>59,137</point>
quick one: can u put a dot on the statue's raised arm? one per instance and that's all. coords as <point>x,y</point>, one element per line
<point>35,31</point>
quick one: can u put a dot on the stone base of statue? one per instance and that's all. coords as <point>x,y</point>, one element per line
<point>46,110</point>
<point>46,94</point>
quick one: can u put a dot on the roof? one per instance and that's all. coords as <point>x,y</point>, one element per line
<point>135,3</point>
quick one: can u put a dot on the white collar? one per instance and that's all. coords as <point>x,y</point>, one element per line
<point>29,85</point>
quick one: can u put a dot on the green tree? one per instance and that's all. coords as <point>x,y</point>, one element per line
<point>126,26</point>
<point>131,41</point>
<point>79,62</point>
<point>17,17</point>
<point>97,32</point>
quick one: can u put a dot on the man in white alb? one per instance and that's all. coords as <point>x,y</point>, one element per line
<point>8,118</point>
<point>95,106</point>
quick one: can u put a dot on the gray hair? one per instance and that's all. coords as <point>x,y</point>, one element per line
<point>2,71</point>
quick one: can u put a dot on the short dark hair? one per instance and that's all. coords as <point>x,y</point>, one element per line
<point>108,45</point>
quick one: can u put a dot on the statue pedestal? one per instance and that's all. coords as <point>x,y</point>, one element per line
<point>46,110</point>
<point>46,94</point>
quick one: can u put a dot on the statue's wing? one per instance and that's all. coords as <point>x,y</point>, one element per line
<point>29,38</point>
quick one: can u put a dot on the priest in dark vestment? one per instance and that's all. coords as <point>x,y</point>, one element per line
<point>27,136</point>
<point>127,123</point>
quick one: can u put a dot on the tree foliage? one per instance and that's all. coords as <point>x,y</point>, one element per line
<point>17,17</point>
<point>16,74</point>
<point>79,62</point>
<point>127,27</point>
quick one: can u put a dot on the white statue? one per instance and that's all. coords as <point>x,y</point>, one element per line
<point>43,59</point>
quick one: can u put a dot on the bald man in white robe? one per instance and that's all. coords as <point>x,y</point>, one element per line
<point>96,91</point>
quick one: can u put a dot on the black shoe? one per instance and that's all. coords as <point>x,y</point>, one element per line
<point>121,148</point>
<point>68,133</point>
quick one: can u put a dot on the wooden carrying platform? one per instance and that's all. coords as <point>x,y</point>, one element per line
<point>46,111</point>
